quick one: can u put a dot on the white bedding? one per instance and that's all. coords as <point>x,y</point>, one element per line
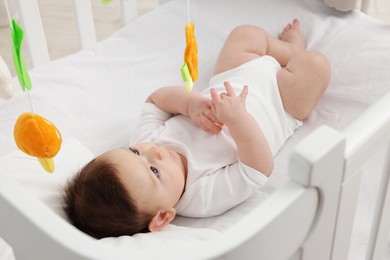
<point>95,95</point>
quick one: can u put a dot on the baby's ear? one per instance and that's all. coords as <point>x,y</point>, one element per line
<point>161,219</point>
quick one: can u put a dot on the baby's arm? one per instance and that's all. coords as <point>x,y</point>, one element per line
<point>253,148</point>
<point>177,100</point>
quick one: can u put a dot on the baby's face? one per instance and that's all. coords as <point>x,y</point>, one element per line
<point>153,176</point>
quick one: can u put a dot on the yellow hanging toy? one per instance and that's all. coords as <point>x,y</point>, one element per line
<point>33,134</point>
<point>189,69</point>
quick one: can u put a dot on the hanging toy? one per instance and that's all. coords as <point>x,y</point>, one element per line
<point>34,135</point>
<point>38,137</point>
<point>189,69</point>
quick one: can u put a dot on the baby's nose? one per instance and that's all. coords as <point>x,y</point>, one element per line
<point>156,152</point>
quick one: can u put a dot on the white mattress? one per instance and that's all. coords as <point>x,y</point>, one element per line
<point>95,95</point>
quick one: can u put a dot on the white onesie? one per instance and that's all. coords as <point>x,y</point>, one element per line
<point>216,179</point>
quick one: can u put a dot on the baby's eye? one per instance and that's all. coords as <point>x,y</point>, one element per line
<point>135,151</point>
<point>155,171</point>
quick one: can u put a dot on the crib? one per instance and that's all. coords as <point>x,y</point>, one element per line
<point>328,197</point>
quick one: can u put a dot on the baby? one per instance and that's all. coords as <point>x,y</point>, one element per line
<point>201,154</point>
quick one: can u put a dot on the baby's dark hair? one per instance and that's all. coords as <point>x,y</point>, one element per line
<point>97,203</point>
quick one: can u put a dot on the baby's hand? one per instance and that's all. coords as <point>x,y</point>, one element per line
<point>228,107</point>
<point>201,114</point>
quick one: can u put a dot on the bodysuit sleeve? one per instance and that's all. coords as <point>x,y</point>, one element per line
<point>152,117</point>
<point>217,192</point>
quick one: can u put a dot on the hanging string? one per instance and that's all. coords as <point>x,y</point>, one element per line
<point>188,12</point>
<point>30,101</point>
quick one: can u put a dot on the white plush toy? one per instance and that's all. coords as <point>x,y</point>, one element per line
<point>5,80</point>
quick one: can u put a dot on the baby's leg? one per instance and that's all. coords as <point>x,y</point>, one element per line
<point>304,79</point>
<point>302,82</point>
<point>247,42</point>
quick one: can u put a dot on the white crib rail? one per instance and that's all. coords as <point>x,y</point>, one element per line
<point>34,32</point>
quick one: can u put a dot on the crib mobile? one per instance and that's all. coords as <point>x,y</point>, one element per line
<point>37,136</point>
<point>33,134</point>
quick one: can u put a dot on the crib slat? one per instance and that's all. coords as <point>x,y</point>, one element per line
<point>346,214</point>
<point>129,10</point>
<point>85,23</point>
<point>34,33</point>
<point>381,220</point>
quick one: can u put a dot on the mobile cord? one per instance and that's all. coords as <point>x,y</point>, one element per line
<point>188,12</point>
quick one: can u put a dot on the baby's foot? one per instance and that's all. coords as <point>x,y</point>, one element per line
<point>292,34</point>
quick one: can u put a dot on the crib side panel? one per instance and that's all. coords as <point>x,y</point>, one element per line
<point>34,30</point>
<point>366,135</point>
